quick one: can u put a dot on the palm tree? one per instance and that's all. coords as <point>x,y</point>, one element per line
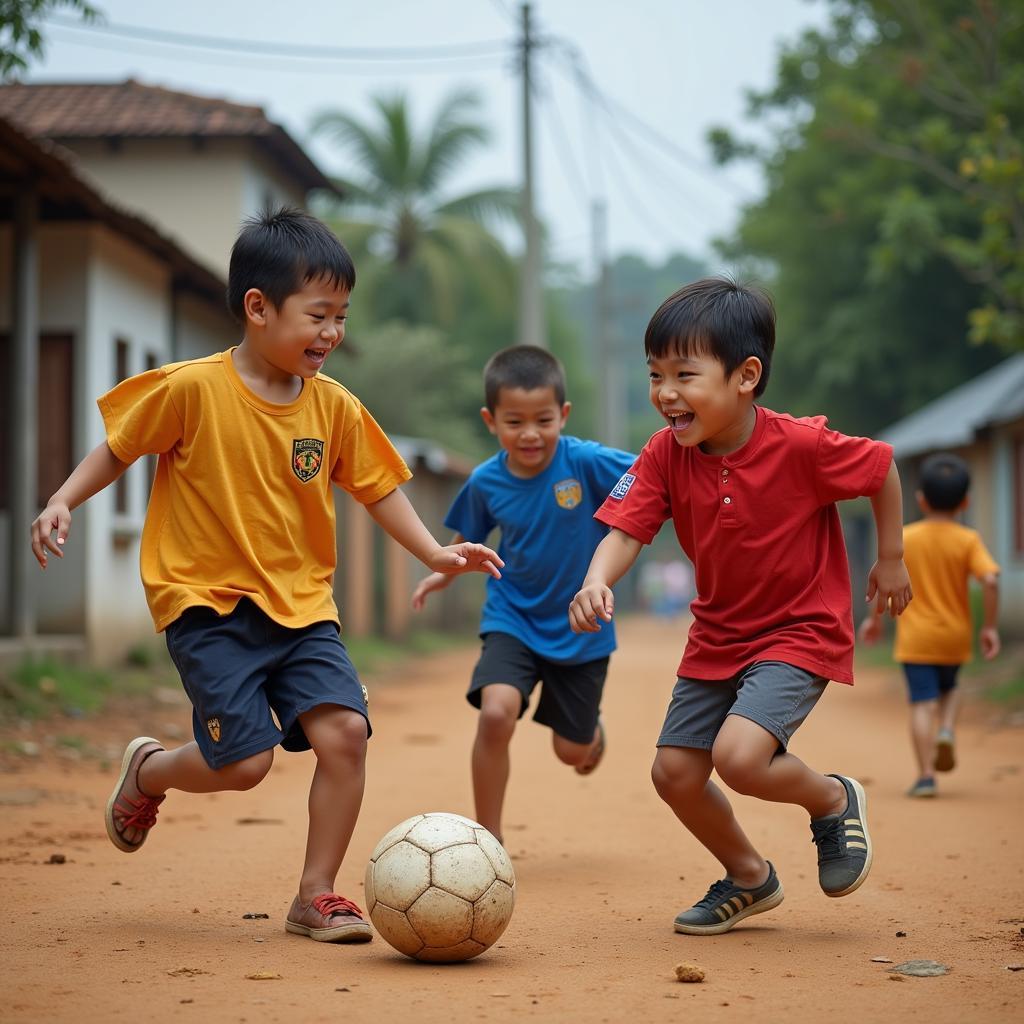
<point>419,250</point>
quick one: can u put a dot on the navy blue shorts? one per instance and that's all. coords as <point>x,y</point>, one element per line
<point>570,697</point>
<point>242,669</point>
<point>929,682</point>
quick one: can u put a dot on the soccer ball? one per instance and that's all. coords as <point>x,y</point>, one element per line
<point>440,887</point>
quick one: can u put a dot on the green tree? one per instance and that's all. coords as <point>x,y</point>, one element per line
<point>893,223</point>
<point>21,36</point>
<point>419,249</point>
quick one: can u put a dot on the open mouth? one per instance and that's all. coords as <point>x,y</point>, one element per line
<point>679,421</point>
<point>316,355</point>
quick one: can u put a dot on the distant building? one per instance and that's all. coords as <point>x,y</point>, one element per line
<point>119,205</point>
<point>982,421</point>
<point>196,165</point>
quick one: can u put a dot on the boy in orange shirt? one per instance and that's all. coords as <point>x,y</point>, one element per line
<point>933,636</point>
<point>238,551</point>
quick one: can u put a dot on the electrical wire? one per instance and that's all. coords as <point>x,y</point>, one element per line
<point>256,47</point>
<point>316,66</point>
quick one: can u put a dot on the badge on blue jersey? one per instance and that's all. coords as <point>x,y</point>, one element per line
<point>621,489</point>
<point>568,493</point>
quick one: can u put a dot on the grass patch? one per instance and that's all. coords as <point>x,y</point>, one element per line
<point>373,653</point>
<point>38,687</point>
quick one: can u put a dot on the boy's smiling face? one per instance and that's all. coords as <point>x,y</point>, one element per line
<point>297,338</point>
<point>527,424</point>
<point>700,404</point>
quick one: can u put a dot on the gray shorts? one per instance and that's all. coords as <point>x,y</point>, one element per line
<point>775,695</point>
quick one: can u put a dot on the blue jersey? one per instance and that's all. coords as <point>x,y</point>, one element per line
<point>548,536</point>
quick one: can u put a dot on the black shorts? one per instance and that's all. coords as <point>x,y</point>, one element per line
<point>242,669</point>
<point>570,698</point>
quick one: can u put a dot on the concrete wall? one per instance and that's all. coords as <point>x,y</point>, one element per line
<point>129,299</point>
<point>197,193</point>
<point>59,593</point>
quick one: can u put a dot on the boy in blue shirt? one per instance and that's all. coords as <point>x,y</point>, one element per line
<point>541,490</point>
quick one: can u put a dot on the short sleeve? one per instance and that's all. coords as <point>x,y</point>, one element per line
<point>140,416</point>
<point>849,467</point>
<point>605,466</point>
<point>639,503</point>
<point>470,515</point>
<point>368,466</point>
<point>980,562</point>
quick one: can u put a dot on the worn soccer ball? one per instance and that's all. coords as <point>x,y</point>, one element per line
<point>440,887</point>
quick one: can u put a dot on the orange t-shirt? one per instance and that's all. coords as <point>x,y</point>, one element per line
<point>941,556</point>
<point>242,504</point>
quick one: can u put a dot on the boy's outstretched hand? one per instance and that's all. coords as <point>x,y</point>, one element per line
<point>466,557</point>
<point>889,586</point>
<point>55,517</point>
<point>427,586</point>
<point>595,601</point>
<point>870,629</point>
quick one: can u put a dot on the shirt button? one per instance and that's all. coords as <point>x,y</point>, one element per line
<point>725,473</point>
<point>727,501</point>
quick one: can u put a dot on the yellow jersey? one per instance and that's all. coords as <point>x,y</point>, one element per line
<point>242,504</point>
<point>941,556</point>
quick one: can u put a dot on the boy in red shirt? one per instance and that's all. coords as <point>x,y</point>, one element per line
<point>752,496</point>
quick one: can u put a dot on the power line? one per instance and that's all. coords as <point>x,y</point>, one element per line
<point>556,128</point>
<point>445,51</point>
<point>285,64</point>
<point>585,81</point>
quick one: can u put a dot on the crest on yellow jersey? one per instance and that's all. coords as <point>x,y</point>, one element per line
<point>568,493</point>
<point>307,455</point>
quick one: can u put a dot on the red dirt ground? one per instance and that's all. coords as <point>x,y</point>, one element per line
<point>602,868</point>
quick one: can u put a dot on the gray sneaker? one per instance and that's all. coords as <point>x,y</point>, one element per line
<point>844,846</point>
<point>727,904</point>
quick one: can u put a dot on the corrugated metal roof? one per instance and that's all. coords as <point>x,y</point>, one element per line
<point>953,420</point>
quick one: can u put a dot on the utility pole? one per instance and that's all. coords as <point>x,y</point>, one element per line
<point>612,417</point>
<point>531,302</point>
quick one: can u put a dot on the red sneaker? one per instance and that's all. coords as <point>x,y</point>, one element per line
<point>329,918</point>
<point>130,812</point>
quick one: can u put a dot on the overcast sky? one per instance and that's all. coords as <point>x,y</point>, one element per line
<point>679,65</point>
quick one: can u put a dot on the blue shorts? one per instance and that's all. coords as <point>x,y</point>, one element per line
<point>242,669</point>
<point>929,682</point>
<point>775,695</point>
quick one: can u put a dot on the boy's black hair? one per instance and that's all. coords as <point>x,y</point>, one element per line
<point>522,366</point>
<point>945,481</point>
<point>278,251</point>
<point>715,317</point>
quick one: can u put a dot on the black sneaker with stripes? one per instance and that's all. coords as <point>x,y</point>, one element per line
<point>844,844</point>
<point>727,904</point>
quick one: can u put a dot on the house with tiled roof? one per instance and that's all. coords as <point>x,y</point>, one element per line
<point>197,165</point>
<point>982,421</point>
<point>119,204</point>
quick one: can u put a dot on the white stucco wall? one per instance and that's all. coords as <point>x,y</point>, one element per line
<point>59,593</point>
<point>128,299</point>
<point>202,328</point>
<point>197,194</point>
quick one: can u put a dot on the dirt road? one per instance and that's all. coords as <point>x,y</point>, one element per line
<point>602,868</point>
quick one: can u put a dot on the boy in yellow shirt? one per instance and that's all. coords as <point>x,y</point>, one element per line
<point>238,551</point>
<point>933,635</point>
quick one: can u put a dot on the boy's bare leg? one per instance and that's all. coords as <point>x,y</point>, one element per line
<point>682,777</point>
<point>747,758</point>
<point>185,768</point>
<point>949,708</point>
<point>923,714</point>
<point>572,753</point>
<point>499,712</point>
<point>338,738</point>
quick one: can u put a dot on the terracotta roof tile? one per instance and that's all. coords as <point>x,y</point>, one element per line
<point>68,111</point>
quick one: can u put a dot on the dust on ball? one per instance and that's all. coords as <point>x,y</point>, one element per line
<point>689,972</point>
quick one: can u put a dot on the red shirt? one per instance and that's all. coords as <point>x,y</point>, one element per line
<point>762,530</point>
